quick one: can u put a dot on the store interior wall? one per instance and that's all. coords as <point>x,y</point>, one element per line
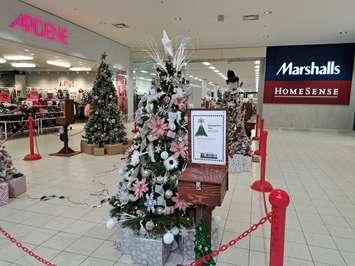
<point>52,80</point>
<point>307,116</point>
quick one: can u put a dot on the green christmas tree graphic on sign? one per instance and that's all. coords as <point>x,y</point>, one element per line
<point>201,131</point>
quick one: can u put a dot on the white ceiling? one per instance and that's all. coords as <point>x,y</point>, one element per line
<point>243,69</point>
<point>291,21</point>
<point>40,58</point>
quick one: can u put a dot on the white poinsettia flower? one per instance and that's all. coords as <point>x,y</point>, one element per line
<point>171,163</point>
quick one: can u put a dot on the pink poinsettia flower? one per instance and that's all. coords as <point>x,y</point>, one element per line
<point>158,128</point>
<point>180,102</point>
<point>180,203</point>
<point>139,188</point>
<point>179,149</point>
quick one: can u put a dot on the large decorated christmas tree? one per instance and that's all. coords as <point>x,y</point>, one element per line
<point>147,200</point>
<point>238,141</point>
<point>104,125</point>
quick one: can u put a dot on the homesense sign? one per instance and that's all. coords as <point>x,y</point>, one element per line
<point>309,74</point>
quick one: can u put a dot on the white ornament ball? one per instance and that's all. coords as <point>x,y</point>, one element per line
<point>172,126</point>
<point>111,223</point>
<point>149,225</point>
<point>164,155</point>
<point>160,210</point>
<point>160,180</point>
<point>168,194</point>
<point>168,238</point>
<point>175,231</point>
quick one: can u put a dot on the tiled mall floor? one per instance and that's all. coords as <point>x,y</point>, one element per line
<point>318,170</point>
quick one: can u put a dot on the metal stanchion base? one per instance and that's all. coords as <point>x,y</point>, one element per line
<point>262,186</point>
<point>66,152</point>
<point>32,157</point>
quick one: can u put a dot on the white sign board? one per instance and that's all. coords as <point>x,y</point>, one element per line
<point>208,136</point>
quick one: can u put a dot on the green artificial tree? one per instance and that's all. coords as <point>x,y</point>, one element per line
<point>203,243</point>
<point>148,200</point>
<point>104,125</point>
<point>87,98</point>
<point>7,169</point>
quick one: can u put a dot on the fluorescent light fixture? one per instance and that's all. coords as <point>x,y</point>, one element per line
<point>80,68</point>
<point>18,57</point>
<point>23,64</point>
<point>144,71</point>
<point>153,74</point>
<point>206,63</point>
<point>134,71</point>
<point>212,67</point>
<point>216,70</point>
<point>2,60</point>
<point>58,63</point>
<point>257,62</point>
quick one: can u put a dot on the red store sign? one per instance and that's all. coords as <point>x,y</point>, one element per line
<point>41,29</point>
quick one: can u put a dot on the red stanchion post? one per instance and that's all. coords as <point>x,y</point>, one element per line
<point>257,137</point>
<point>261,129</point>
<point>262,185</point>
<point>279,200</point>
<point>32,156</point>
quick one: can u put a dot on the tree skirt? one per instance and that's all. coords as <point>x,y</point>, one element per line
<point>240,163</point>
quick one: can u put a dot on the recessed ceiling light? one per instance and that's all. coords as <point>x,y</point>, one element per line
<point>206,63</point>
<point>26,50</point>
<point>144,71</point>
<point>58,63</point>
<point>212,67</point>
<point>23,65</point>
<point>133,71</point>
<point>216,70</point>
<point>121,25</point>
<point>257,62</point>
<point>153,74</point>
<point>257,66</point>
<point>267,12</point>
<point>18,57</point>
<point>2,60</point>
<point>80,68</point>
<point>251,17</point>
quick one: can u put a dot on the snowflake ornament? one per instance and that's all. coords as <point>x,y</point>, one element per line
<point>150,202</point>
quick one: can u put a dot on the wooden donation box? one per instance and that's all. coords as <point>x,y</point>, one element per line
<point>67,106</point>
<point>205,179</point>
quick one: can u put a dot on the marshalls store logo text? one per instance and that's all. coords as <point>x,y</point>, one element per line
<point>330,69</point>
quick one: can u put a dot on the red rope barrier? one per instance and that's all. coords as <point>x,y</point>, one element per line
<point>230,243</point>
<point>14,133</point>
<point>25,249</point>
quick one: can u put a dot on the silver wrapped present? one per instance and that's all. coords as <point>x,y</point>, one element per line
<point>143,250</point>
<point>187,241</point>
<point>240,163</point>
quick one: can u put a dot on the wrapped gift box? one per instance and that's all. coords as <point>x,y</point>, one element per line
<point>143,250</point>
<point>17,186</point>
<point>240,163</point>
<point>187,241</point>
<point>4,193</point>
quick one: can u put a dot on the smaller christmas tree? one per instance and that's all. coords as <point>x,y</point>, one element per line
<point>7,169</point>
<point>203,243</point>
<point>201,130</point>
<point>104,125</point>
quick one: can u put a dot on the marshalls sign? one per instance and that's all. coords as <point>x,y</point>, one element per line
<point>309,74</point>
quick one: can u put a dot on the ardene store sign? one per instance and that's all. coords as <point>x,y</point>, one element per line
<point>309,74</point>
<point>40,28</point>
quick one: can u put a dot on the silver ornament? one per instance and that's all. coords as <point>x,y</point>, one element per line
<point>164,155</point>
<point>159,210</point>
<point>160,179</point>
<point>168,194</point>
<point>145,173</point>
<point>149,225</point>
